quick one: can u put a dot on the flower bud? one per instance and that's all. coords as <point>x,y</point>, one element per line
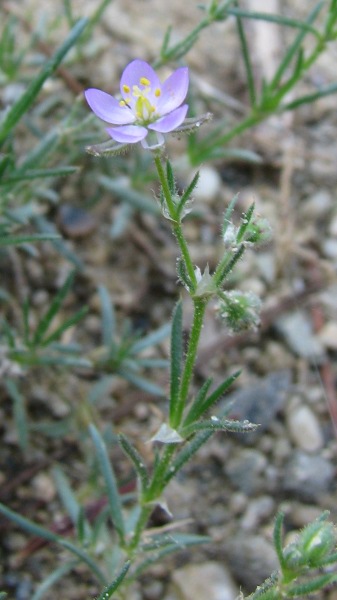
<point>240,310</point>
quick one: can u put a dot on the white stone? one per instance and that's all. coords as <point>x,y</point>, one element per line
<point>202,581</point>
<point>304,428</point>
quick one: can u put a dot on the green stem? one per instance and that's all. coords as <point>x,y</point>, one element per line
<point>139,528</point>
<point>198,318</point>
<point>176,225</point>
<point>157,484</point>
<point>213,140</point>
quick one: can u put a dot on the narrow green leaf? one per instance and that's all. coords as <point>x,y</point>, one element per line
<point>176,546</point>
<point>25,319</point>
<point>278,540</point>
<point>19,411</point>
<point>153,338</point>
<point>170,178</point>
<point>309,587</point>
<point>188,451</point>
<point>38,174</point>
<point>66,494</point>
<point>142,383</point>
<point>110,481</point>
<point>309,98</point>
<point>294,47</point>
<point>220,275</point>
<point>136,460</point>
<point>166,41</point>
<point>228,214</point>
<point>183,274</point>
<point>53,578</point>
<point>176,358</point>
<point>246,219</point>
<point>53,309</point>
<point>55,335</point>
<point>127,194</point>
<point>218,392</point>
<point>246,60</point>
<point>278,19</point>
<point>108,317</point>
<point>26,100</point>
<point>218,424</point>
<point>43,225</point>
<point>18,240</point>
<point>187,194</point>
<point>194,412</point>
<point>108,592</point>
<point>180,539</point>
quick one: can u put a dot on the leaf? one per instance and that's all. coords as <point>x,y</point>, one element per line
<point>38,174</point>
<point>176,358</point>
<point>218,424</point>
<point>278,540</point>
<point>65,325</point>
<point>108,318</point>
<point>127,194</point>
<point>52,311</point>
<point>136,460</point>
<point>187,194</point>
<point>110,481</point>
<point>107,593</point>
<point>26,100</point>
<point>194,412</point>
<point>54,577</point>
<point>153,338</point>
<point>17,240</point>
<point>19,410</point>
<point>45,534</point>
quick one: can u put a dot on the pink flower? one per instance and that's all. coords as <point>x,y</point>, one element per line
<point>146,104</point>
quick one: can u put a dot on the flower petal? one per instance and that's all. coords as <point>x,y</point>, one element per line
<point>174,91</point>
<point>171,121</point>
<point>134,73</point>
<point>128,134</point>
<point>107,108</point>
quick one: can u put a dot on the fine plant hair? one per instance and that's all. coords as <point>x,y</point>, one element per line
<point>118,521</point>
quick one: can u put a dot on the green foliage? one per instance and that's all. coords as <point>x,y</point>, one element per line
<point>302,561</point>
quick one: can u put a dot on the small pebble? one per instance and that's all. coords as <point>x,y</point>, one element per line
<point>246,470</point>
<point>206,580</point>
<point>75,221</point>
<point>44,487</point>
<point>304,428</point>
<point>296,330</point>
<point>258,511</point>
<point>307,476</point>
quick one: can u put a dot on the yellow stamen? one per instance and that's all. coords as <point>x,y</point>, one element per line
<point>126,89</point>
<point>157,92</point>
<point>122,103</point>
<point>144,81</point>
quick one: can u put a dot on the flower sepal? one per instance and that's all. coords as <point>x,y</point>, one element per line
<point>192,124</point>
<point>109,148</point>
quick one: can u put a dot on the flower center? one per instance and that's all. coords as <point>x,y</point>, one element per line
<point>139,102</point>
